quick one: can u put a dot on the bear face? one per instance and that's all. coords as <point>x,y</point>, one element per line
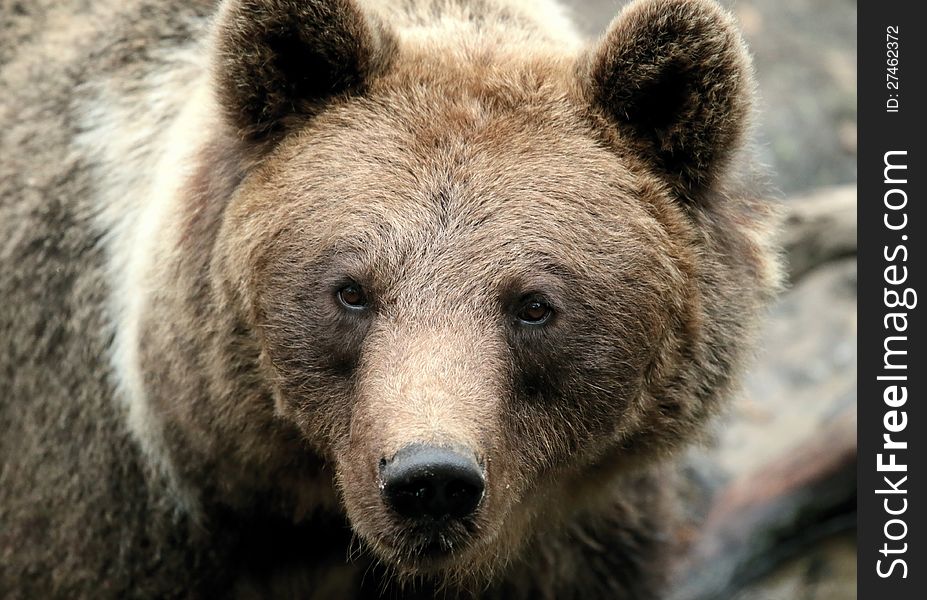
<point>446,229</point>
<point>519,259</point>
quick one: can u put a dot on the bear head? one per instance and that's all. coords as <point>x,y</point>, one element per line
<point>483,277</point>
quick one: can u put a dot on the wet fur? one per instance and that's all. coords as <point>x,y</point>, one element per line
<point>184,410</point>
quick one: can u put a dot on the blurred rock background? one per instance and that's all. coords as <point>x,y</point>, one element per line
<point>773,499</point>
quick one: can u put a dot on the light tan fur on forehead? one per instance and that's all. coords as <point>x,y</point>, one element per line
<point>507,20</point>
<point>484,158</point>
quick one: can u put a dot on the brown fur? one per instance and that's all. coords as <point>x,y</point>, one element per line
<point>450,158</point>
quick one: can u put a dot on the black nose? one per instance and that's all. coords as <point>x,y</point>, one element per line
<point>423,482</point>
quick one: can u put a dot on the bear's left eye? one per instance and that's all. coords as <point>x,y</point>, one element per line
<point>534,311</point>
<point>353,296</point>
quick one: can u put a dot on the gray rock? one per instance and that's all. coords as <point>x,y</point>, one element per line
<point>773,499</point>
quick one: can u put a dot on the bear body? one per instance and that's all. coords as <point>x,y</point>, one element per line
<point>255,254</point>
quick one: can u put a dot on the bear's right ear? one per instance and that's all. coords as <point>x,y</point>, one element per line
<point>283,60</point>
<point>675,78</point>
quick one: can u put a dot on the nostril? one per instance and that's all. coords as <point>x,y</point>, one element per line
<point>462,497</point>
<point>432,483</point>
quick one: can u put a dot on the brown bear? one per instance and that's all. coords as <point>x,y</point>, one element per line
<point>344,298</point>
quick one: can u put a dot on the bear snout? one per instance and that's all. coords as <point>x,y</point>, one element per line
<point>432,484</point>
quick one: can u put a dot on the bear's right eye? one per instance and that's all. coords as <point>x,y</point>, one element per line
<point>534,311</point>
<point>353,297</point>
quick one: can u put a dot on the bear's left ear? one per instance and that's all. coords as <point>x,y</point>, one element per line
<point>675,77</point>
<point>280,60</point>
